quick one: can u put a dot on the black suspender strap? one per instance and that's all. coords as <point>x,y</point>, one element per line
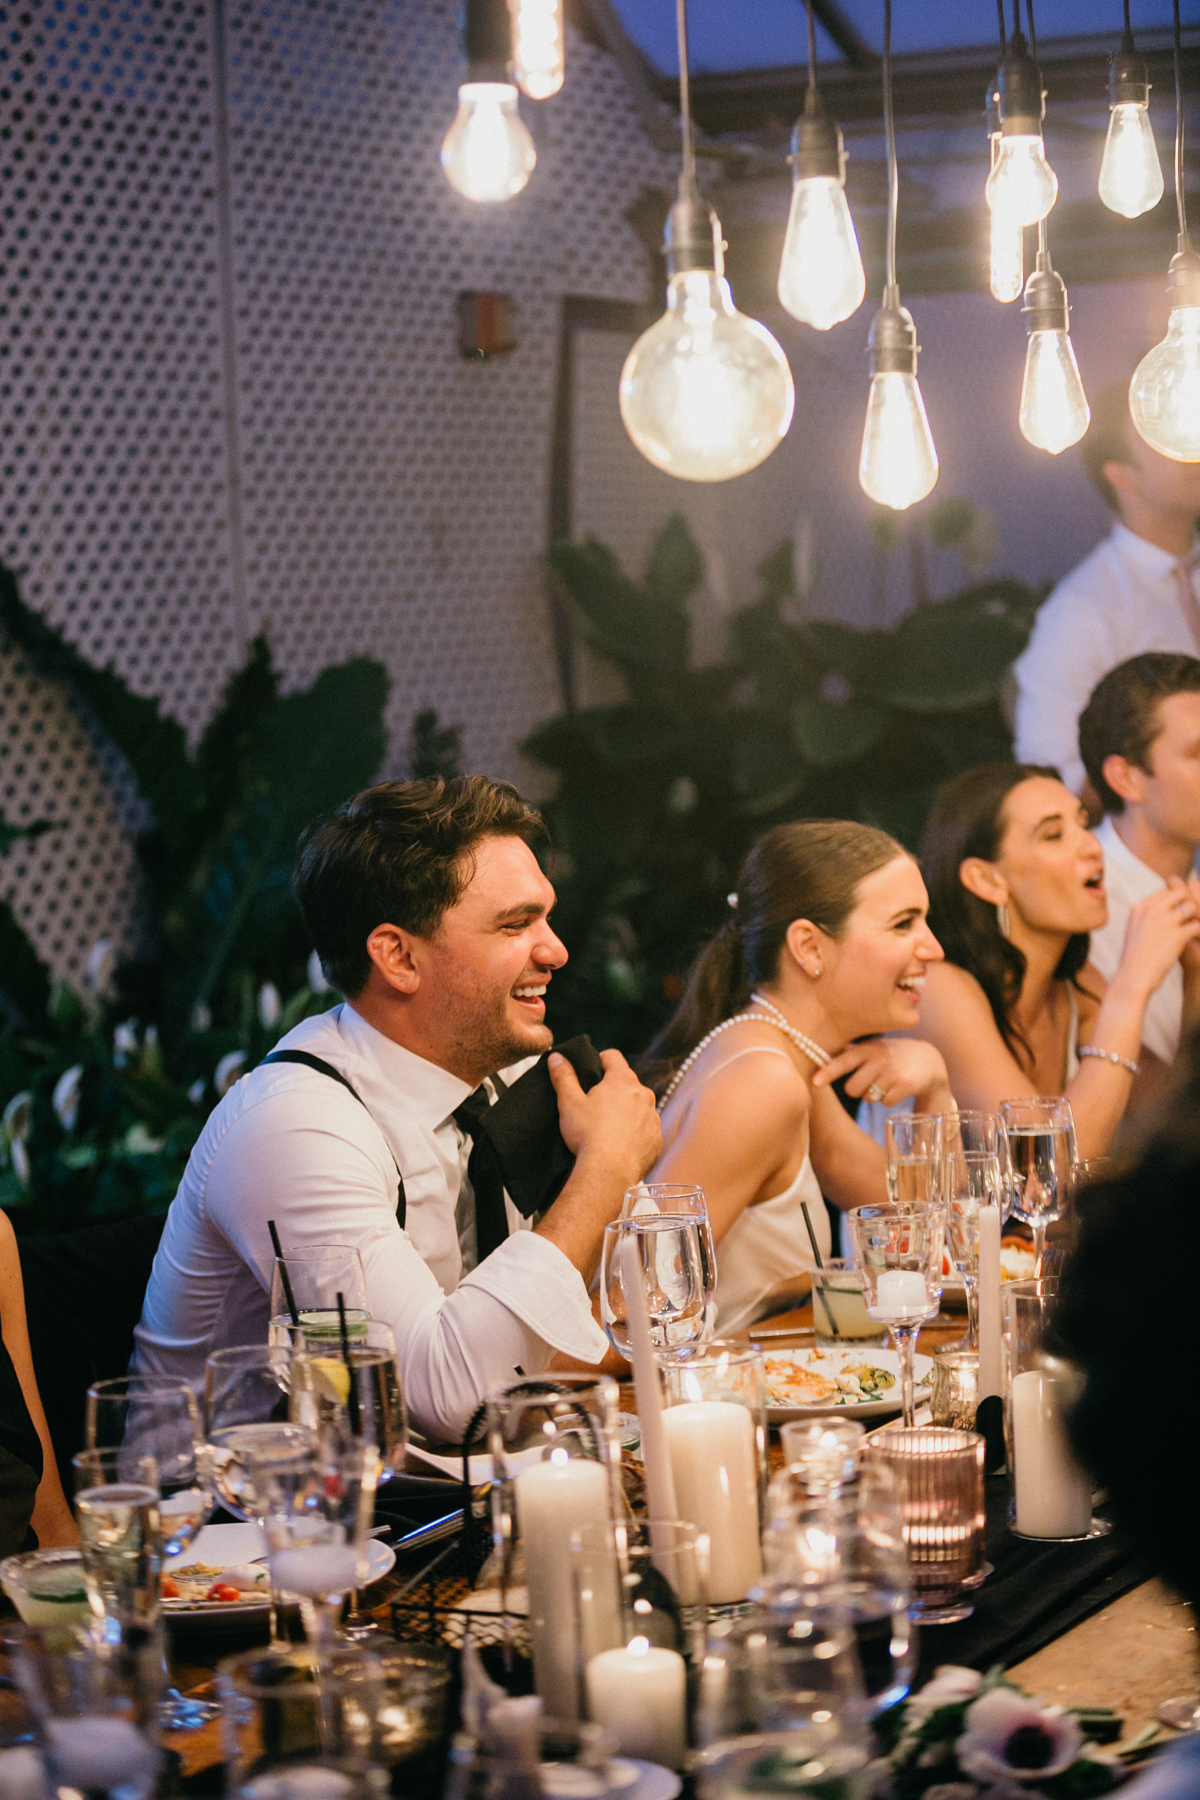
<point>324,1068</point>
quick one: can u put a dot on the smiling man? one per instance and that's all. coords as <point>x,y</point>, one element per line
<point>430,913</point>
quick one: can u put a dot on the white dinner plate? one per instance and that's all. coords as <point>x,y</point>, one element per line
<point>230,1547</point>
<point>833,1363</point>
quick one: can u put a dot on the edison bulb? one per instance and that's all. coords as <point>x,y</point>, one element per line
<point>821,277</point>
<point>706,393</point>
<point>899,464</point>
<point>488,154</point>
<point>1131,177</point>
<point>1164,395</point>
<point>537,36</point>
<point>1022,185</point>
<point>1008,258</point>
<point>1054,408</point>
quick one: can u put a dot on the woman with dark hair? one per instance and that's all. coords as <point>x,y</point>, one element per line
<point>1016,883</point>
<point>827,944</point>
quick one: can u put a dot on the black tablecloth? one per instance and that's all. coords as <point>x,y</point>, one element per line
<point>1038,1592</point>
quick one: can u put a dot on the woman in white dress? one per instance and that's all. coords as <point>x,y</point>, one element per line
<point>827,946</point>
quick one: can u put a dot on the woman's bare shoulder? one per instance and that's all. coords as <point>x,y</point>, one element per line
<point>949,986</point>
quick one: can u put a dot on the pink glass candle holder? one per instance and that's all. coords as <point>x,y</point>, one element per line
<point>940,1478</point>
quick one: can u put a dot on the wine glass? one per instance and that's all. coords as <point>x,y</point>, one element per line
<point>914,1148</point>
<point>668,1249</point>
<point>679,1200</point>
<point>1041,1139</point>
<point>970,1179</point>
<point>316,1275</point>
<point>899,1250</point>
<point>159,1417</point>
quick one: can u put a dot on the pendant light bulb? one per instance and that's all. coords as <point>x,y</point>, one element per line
<point>821,278</point>
<point>1131,177</point>
<point>1054,409</point>
<point>706,393</point>
<point>488,154</point>
<point>898,465</point>
<point>1164,395</point>
<point>1022,186</point>
<point>537,33</point>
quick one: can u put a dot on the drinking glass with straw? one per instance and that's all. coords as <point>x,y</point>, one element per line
<point>818,1291</point>
<point>304,1289</point>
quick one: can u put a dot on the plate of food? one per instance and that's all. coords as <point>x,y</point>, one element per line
<point>859,1384</point>
<point>220,1581</point>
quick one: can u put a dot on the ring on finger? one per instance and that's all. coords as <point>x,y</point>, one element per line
<point>875,1092</point>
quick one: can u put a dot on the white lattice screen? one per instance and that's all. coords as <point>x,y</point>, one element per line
<point>231,397</point>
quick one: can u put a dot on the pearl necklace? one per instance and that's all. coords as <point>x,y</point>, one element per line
<point>813,1051</point>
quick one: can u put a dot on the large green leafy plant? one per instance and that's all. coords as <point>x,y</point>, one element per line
<point>660,796</point>
<point>104,1091</point>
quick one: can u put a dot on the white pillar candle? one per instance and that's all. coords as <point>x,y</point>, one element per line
<point>1053,1494</point>
<point>99,1751</point>
<point>554,1499</point>
<point>640,1695</point>
<point>989,1301</point>
<point>901,1295</point>
<point>715,1464</point>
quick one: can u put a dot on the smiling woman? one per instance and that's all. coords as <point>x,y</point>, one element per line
<point>1016,883</point>
<point>827,947</point>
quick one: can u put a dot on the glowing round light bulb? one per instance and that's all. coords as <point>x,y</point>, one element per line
<point>488,154</point>
<point>706,393</point>
<point>899,464</point>
<point>1164,395</point>
<point>537,59</point>
<point>1022,185</point>
<point>1007,258</point>
<point>821,277</point>
<point>1054,408</point>
<point>1131,177</point>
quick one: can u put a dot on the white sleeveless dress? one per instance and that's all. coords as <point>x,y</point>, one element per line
<point>767,1246</point>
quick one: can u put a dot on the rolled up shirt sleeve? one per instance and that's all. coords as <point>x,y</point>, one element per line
<point>330,1180</point>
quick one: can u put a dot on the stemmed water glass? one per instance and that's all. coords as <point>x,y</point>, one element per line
<point>316,1274</point>
<point>668,1248</point>
<point>899,1250</point>
<point>970,1179</point>
<point>914,1148</point>
<point>678,1199</point>
<point>1041,1139</point>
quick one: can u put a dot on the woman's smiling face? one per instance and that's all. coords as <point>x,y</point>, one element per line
<point>1049,860</point>
<point>875,971</point>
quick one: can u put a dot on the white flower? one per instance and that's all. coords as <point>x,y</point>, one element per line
<point>138,1141</point>
<point>950,1686</point>
<point>18,1117</point>
<point>22,1167</point>
<point>682,796</point>
<point>197,1091</point>
<point>269,1005</point>
<point>1011,1738</point>
<point>66,1096</point>
<point>201,1019</point>
<point>98,974</point>
<point>125,1042</point>
<point>227,1071</point>
<point>316,975</point>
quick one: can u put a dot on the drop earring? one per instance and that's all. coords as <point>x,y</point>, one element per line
<point>1002,919</point>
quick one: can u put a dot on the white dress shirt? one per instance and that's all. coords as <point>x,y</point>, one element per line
<point>290,1144</point>
<point>1119,601</point>
<point>1126,881</point>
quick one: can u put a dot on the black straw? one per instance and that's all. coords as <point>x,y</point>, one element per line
<point>352,1396</point>
<point>816,1250</point>
<point>286,1279</point>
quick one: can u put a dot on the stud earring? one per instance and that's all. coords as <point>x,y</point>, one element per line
<point>1002,919</point>
<point>818,971</point>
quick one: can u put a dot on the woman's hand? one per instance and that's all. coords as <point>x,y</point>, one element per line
<point>1160,929</point>
<point>889,1070</point>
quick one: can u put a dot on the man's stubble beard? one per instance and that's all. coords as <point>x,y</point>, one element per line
<point>489,1040</point>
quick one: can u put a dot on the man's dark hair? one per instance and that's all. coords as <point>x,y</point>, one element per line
<point>1121,718</point>
<point>1109,439</point>
<point>398,854</point>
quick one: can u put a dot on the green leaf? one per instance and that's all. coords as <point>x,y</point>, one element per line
<point>24,977</point>
<point>851,653</point>
<point>624,621</point>
<point>154,747</point>
<point>887,528</point>
<point>827,734</point>
<point>951,654</point>
<point>676,566</point>
<point>12,834</point>
<point>777,572</point>
<point>949,521</point>
<point>767,771</point>
<point>250,695</point>
<point>434,750</point>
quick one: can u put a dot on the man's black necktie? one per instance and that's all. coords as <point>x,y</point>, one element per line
<point>485,1175</point>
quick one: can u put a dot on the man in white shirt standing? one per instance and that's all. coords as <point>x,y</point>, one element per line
<point>430,913</point>
<point>1136,591</point>
<point>1140,739</point>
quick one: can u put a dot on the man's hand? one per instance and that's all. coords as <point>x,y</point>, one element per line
<point>615,1124</point>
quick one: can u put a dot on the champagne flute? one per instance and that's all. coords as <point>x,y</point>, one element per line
<point>970,1179</point>
<point>914,1149</point>
<point>679,1200</point>
<point>899,1250</point>
<point>318,1273</point>
<point>668,1249</point>
<point>1041,1138</point>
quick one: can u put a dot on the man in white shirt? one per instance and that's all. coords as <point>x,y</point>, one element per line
<point>429,911</point>
<point>1140,739</point>
<point>1135,592</point>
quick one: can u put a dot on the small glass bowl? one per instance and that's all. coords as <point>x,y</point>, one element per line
<point>46,1587</point>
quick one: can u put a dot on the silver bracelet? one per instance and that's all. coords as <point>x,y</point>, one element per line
<point>1119,1062</point>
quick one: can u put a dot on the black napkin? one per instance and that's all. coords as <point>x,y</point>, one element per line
<point>522,1128</point>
